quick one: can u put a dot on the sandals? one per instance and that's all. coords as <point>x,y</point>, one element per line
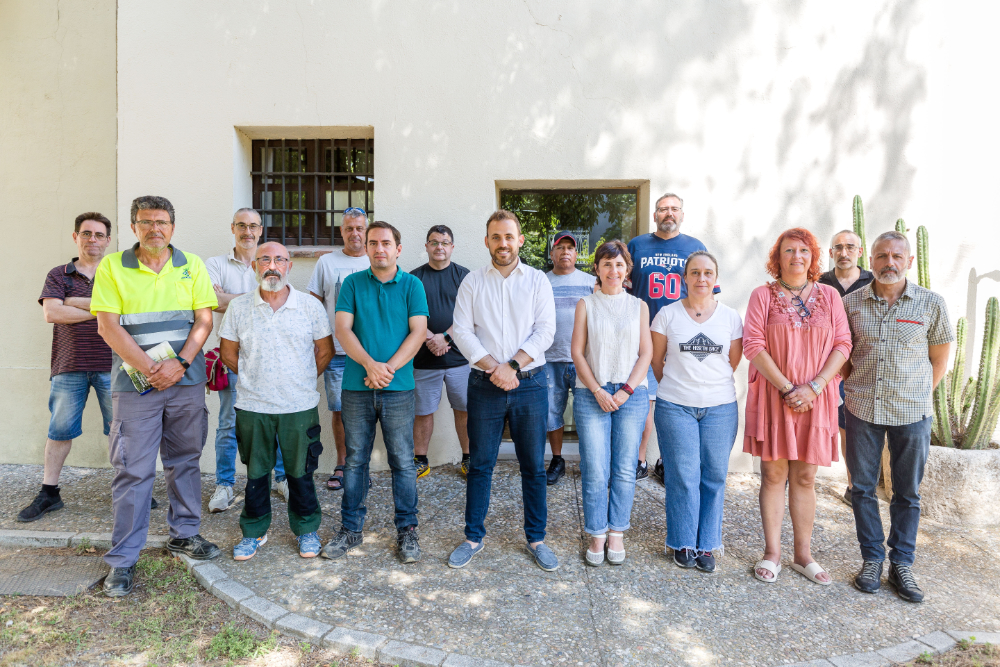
<point>773,568</point>
<point>595,558</point>
<point>616,557</point>
<point>336,482</point>
<point>810,571</point>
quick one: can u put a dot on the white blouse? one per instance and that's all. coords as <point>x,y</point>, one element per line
<point>613,328</point>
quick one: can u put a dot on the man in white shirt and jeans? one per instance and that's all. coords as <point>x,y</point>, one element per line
<point>231,276</point>
<point>330,273</point>
<point>504,321</point>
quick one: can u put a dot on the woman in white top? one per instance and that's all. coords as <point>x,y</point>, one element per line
<point>697,345</point>
<point>611,349</point>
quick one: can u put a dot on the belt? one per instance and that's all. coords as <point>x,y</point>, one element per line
<point>521,375</point>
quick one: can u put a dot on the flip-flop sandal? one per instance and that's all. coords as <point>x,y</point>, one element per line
<point>810,571</point>
<point>336,482</point>
<point>773,568</point>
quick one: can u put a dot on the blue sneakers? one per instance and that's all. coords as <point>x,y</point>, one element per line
<point>544,557</point>
<point>248,546</point>
<point>309,545</point>
<point>461,556</point>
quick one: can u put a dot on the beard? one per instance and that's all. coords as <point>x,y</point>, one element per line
<point>511,258</point>
<point>888,277</point>
<point>272,281</point>
<point>667,225</point>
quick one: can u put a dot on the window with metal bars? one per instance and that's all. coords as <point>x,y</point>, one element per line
<point>301,187</point>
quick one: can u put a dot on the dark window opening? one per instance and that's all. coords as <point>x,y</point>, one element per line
<point>301,187</point>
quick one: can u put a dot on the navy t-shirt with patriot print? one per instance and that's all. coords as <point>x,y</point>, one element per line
<point>658,268</point>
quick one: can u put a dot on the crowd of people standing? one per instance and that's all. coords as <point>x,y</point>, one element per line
<point>839,362</point>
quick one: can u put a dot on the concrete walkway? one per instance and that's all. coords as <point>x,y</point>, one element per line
<point>648,611</point>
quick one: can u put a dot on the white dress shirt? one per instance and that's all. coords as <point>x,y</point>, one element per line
<point>498,316</point>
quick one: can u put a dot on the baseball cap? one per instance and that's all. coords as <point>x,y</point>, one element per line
<point>564,235</point>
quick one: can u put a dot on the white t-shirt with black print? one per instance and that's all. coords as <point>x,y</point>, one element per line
<point>696,371</point>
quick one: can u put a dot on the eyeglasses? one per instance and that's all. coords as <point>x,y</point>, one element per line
<point>669,209</point>
<point>354,210</point>
<point>799,306</point>
<point>86,236</point>
<point>253,227</point>
<point>278,261</point>
<point>848,248</point>
<point>160,224</point>
<point>439,244</point>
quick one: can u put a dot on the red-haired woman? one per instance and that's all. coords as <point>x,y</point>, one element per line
<point>796,337</point>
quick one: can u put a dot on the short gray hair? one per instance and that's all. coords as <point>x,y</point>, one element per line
<point>891,236</point>
<point>354,212</point>
<point>668,194</point>
<point>152,203</point>
<point>846,231</point>
<point>246,209</point>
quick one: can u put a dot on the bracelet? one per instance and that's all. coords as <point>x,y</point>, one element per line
<point>627,389</point>
<point>786,390</point>
<point>816,387</point>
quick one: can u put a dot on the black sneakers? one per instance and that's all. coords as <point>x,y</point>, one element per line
<point>641,470</point>
<point>658,471</point>
<point>409,548</point>
<point>869,579</point>
<point>40,506</point>
<point>119,582</point>
<point>557,468</point>
<point>705,562</point>
<point>196,547</point>
<point>685,558</point>
<point>342,542</point>
<point>902,579</point>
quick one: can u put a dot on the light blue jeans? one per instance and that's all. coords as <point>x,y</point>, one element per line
<point>695,444</point>
<point>561,378</point>
<point>225,439</point>
<point>609,448</point>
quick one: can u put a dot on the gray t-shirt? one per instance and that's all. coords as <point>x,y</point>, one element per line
<point>567,290</point>
<point>330,272</point>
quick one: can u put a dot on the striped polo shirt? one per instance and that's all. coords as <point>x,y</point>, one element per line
<point>75,347</point>
<point>153,307</point>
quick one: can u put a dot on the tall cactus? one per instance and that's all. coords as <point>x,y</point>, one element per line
<point>901,228</point>
<point>923,272</point>
<point>956,390</point>
<point>859,229</point>
<point>986,407</point>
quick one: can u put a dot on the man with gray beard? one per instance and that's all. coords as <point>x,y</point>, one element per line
<point>279,340</point>
<point>901,339</point>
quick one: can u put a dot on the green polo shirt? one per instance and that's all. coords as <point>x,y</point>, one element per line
<point>381,321</point>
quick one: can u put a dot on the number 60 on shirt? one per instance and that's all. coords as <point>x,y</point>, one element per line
<point>664,285</point>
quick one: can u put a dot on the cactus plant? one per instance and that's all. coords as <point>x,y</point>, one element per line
<point>986,407</point>
<point>859,229</point>
<point>901,226</point>
<point>923,273</point>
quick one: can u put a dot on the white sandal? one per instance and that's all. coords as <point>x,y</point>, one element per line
<point>616,557</point>
<point>595,558</point>
<point>773,568</point>
<point>810,571</point>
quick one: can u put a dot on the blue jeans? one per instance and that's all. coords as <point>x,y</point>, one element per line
<point>909,446</point>
<point>524,409</point>
<point>394,411</point>
<point>561,377</point>
<point>68,394</point>
<point>225,439</point>
<point>333,381</point>
<point>695,444</point>
<point>609,448</point>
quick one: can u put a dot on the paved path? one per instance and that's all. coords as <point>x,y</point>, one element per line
<point>647,611</point>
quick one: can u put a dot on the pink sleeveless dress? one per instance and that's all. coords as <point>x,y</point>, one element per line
<point>800,347</point>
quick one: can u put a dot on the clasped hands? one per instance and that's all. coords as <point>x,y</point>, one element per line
<point>800,398</point>
<point>436,344</point>
<point>504,377</point>
<point>608,402</point>
<point>164,374</point>
<point>379,375</point>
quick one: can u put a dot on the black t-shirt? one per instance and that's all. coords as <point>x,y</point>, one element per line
<point>830,278</point>
<point>441,288</point>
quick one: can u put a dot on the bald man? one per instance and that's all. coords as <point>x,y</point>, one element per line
<point>279,340</point>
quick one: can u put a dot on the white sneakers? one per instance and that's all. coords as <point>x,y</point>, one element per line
<point>282,489</point>
<point>221,499</point>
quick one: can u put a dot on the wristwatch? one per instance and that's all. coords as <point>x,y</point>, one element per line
<point>448,339</point>
<point>184,362</point>
<point>513,364</point>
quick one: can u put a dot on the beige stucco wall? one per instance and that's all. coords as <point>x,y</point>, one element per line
<point>762,115</point>
<point>57,160</point>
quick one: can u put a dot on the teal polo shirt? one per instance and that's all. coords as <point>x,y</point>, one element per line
<point>381,321</point>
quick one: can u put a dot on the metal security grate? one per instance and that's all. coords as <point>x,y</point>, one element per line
<point>302,186</point>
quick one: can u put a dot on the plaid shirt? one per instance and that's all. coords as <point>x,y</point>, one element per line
<point>891,381</point>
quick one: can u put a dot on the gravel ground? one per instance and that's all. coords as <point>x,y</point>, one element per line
<point>645,612</point>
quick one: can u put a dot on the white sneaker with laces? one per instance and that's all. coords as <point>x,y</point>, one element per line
<point>282,489</point>
<point>221,499</point>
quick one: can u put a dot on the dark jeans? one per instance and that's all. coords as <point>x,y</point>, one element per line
<point>525,410</point>
<point>394,411</point>
<point>908,449</point>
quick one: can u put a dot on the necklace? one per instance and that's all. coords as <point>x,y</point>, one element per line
<point>793,289</point>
